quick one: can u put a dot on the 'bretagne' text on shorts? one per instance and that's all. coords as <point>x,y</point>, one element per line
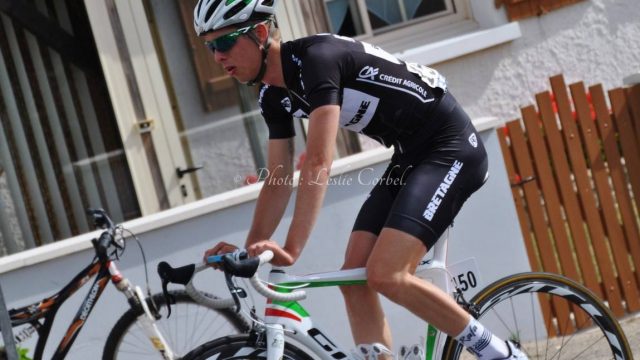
<point>436,199</point>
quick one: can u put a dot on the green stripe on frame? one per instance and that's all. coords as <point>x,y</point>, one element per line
<point>317,284</point>
<point>432,332</point>
<point>293,306</point>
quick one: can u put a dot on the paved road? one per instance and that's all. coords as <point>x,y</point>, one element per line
<point>631,326</point>
<point>581,346</point>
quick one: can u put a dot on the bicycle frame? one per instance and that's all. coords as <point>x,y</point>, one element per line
<point>300,327</point>
<point>46,309</point>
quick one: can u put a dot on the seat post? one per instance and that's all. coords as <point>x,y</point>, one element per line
<point>440,250</point>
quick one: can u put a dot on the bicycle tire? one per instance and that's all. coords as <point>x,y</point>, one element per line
<point>189,325</point>
<point>583,327</point>
<point>243,346</point>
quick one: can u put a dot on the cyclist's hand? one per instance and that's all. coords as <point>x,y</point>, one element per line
<point>280,256</point>
<point>220,248</point>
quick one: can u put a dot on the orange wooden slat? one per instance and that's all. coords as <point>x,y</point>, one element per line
<point>549,191</point>
<point>532,196</point>
<point>518,200</point>
<point>568,195</point>
<point>545,303</point>
<point>585,191</point>
<point>608,209</point>
<point>622,121</point>
<point>610,145</point>
<point>537,216</point>
<point>551,198</point>
<point>633,99</point>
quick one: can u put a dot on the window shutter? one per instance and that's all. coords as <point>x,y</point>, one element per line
<point>314,12</point>
<point>520,9</point>
<point>215,84</point>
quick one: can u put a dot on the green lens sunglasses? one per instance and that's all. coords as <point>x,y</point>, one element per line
<point>225,42</point>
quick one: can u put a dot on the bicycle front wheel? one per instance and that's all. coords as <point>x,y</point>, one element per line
<point>550,317</point>
<point>238,347</point>
<point>190,325</point>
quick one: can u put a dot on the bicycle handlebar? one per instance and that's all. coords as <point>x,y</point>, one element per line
<point>267,292</point>
<point>233,264</point>
<point>106,238</point>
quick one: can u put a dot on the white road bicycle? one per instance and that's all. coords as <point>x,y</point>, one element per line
<point>548,315</point>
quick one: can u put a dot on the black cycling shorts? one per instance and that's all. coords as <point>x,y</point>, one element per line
<point>424,187</point>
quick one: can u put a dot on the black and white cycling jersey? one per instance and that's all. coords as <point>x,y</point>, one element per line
<point>379,95</point>
<point>439,159</point>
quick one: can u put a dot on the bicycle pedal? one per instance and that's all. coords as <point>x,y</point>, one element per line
<point>371,351</point>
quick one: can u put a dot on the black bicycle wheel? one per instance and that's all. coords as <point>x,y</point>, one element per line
<point>550,317</point>
<point>189,325</point>
<point>244,346</point>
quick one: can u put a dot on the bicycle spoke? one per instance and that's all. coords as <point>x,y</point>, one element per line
<point>189,326</point>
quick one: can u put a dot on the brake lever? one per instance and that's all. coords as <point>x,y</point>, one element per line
<point>168,275</point>
<point>168,298</point>
<point>236,291</point>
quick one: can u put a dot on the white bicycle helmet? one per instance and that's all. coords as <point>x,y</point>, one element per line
<point>210,15</point>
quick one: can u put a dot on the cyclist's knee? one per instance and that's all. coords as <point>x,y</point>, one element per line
<point>384,281</point>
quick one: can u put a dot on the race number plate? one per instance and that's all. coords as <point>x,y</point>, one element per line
<point>466,275</point>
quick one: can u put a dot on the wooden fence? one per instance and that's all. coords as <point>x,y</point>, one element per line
<point>574,166</point>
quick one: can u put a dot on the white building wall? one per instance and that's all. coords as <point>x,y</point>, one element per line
<point>596,41</point>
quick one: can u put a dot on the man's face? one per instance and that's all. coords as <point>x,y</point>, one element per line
<point>235,52</point>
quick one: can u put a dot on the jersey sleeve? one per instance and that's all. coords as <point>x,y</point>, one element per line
<point>322,74</point>
<point>275,106</point>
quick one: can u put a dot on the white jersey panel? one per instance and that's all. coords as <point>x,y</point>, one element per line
<point>357,109</point>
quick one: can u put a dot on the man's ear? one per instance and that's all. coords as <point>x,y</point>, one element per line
<point>262,31</point>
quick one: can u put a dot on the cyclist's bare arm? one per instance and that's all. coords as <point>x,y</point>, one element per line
<point>273,198</point>
<point>276,191</point>
<point>272,201</point>
<point>321,137</point>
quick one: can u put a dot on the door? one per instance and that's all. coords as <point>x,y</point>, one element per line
<point>85,120</point>
<point>143,106</point>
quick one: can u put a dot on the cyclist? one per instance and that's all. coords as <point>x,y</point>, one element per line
<point>438,162</point>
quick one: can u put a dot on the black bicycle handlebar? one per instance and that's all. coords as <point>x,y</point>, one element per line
<point>101,220</point>
<point>233,264</point>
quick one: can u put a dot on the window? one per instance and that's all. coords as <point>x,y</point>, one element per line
<point>60,146</point>
<point>365,18</point>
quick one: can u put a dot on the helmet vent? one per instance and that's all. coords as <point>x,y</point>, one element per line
<point>212,9</point>
<point>199,6</point>
<point>267,2</point>
<point>234,10</point>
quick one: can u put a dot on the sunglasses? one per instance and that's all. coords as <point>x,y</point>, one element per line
<point>226,42</point>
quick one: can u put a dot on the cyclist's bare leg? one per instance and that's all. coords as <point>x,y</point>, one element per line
<point>368,323</point>
<point>390,271</point>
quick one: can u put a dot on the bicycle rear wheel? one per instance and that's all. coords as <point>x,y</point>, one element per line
<point>238,347</point>
<point>189,325</point>
<point>550,317</point>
